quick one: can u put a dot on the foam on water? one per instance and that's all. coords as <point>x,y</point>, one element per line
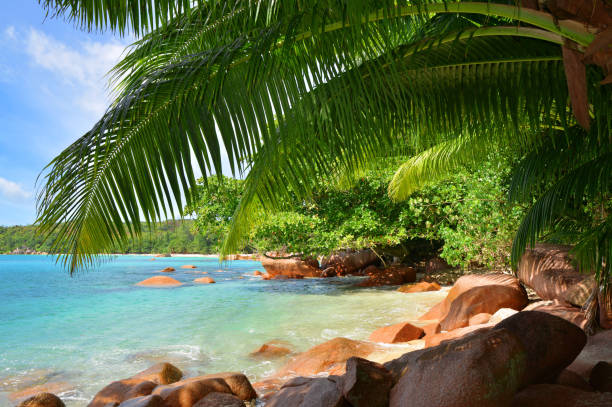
<point>98,326</point>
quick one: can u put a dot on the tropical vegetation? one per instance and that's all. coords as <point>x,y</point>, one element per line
<point>297,92</point>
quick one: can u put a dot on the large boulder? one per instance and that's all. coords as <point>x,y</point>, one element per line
<point>561,310</point>
<point>438,338</point>
<point>43,400</point>
<point>238,383</point>
<point>402,332</point>
<point>483,299</point>
<point>483,369</point>
<point>310,392</point>
<point>549,271</point>
<point>541,395</point>
<point>188,392</point>
<point>467,282</point>
<point>291,268</point>
<point>366,383</point>
<point>551,343</point>
<point>220,400</point>
<point>161,373</point>
<point>328,356</point>
<point>349,261</point>
<point>393,275</point>
<point>598,348</point>
<point>160,281</point>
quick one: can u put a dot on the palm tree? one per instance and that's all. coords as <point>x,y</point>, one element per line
<point>294,91</point>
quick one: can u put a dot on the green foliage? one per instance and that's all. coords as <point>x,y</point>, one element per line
<point>304,89</point>
<point>166,237</point>
<point>466,214</point>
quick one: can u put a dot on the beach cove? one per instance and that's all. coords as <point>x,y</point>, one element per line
<point>81,333</point>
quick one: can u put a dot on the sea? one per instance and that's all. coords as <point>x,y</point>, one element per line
<point>72,335</point>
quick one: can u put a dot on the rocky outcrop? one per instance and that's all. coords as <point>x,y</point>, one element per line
<point>482,299</point>
<point>482,369</point>
<point>161,373</point>
<point>420,287</point>
<point>291,268</point>
<point>402,332</point>
<point>204,280</point>
<point>549,271</point>
<point>349,261</point>
<point>467,282</point>
<point>330,356</point>
<point>220,400</point>
<point>309,392</point>
<point>366,383</point>
<point>160,281</point>
<point>272,350</point>
<point>393,275</point>
<point>540,395</point>
<point>43,400</point>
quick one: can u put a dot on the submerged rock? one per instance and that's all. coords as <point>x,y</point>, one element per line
<point>159,281</point>
<point>43,400</point>
<point>402,332</point>
<point>188,266</point>
<point>271,350</point>
<point>168,270</point>
<point>204,280</point>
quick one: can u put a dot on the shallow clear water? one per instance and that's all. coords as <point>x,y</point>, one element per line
<point>86,331</point>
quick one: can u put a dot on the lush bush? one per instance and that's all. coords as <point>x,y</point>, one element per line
<point>465,218</point>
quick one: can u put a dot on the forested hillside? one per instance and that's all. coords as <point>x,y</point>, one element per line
<point>167,237</point>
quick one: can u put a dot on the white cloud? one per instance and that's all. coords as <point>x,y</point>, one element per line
<point>84,67</point>
<point>10,32</point>
<point>13,191</point>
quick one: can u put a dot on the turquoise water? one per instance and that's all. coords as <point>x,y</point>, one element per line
<point>80,333</point>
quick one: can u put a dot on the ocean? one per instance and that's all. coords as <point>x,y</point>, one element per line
<point>76,334</point>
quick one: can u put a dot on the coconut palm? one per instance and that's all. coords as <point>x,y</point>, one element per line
<point>294,92</point>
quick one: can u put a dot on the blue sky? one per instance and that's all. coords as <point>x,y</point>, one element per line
<point>52,90</point>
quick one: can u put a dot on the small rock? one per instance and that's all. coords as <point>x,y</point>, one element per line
<point>43,400</point>
<point>188,392</point>
<point>188,266</point>
<point>257,273</point>
<point>271,350</point>
<point>168,270</point>
<point>601,377</point>
<point>366,383</point>
<point>204,280</point>
<point>402,332</point>
<point>329,272</point>
<point>421,287</point>
<point>160,281</point>
<point>219,400</point>
<point>161,373</point>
